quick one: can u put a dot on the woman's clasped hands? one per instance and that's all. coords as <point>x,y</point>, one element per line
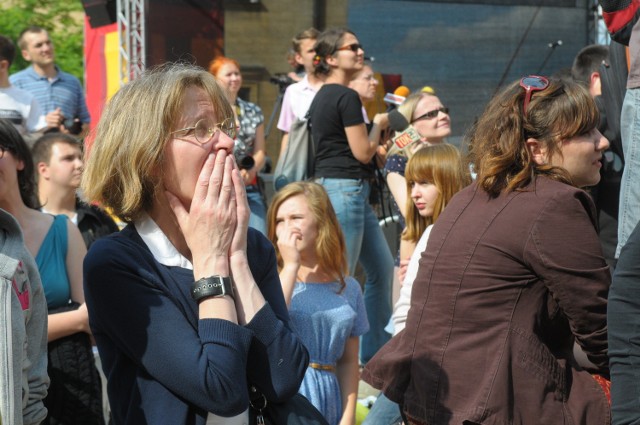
<point>214,226</point>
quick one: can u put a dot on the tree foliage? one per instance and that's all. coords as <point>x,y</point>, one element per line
<point>64,21</point>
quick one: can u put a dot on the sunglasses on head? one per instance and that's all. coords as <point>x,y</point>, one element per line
<point>432,114</point>
<point>530,84</point>
<point>354,47</point>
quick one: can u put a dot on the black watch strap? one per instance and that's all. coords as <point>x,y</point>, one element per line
<point>213,286</point>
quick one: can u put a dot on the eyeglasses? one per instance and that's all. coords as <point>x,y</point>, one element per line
<point>367,78</point>
<point>354,47</point>
<point>204,131</point>
<point>530,84</point>
<point>432,114</point>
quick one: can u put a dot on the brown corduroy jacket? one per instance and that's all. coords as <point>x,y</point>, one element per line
<point>505,287</point>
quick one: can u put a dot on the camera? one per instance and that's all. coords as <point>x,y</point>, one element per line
<point>74,126</point>
<point>281,80</point>
<point>246,162</point>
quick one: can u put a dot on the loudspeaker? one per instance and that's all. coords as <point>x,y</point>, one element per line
<point>100,12</point>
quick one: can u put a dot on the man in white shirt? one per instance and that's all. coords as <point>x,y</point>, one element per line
<point>17,105</point>
<point>298,96</point>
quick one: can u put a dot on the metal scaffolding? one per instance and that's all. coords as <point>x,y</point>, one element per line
<point>597,30</point>
<point>131,39</point>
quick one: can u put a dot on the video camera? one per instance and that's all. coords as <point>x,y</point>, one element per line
<point>281,80</point>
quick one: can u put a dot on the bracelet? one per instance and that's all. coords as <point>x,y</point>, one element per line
<point>212,287</point>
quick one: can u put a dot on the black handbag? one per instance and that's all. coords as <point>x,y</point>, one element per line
<point>295,411</point>
<point>75,392</point>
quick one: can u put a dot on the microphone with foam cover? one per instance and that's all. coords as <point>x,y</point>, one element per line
<point>405,133</point>
<point>397,121</point>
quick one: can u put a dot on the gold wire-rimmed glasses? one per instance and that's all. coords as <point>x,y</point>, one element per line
<point>204,131</point>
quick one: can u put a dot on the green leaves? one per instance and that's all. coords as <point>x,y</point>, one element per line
<point>64,19</point>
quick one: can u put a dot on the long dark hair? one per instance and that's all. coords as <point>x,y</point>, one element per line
<point>326,45</point>
<point>12,141</point>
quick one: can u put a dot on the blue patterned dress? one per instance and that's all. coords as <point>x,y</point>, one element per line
<point>325,319</point>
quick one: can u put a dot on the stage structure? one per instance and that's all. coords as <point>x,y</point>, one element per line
<point>131,39</point>
<point>124,37</point>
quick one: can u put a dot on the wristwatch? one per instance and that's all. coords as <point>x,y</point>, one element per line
<point>213,286</point>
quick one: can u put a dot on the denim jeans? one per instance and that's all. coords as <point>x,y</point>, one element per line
<point>623,318</point>
<point>258,216</point>
<point>630,186</point>
<point>367,245</point>
<point>383,412</point>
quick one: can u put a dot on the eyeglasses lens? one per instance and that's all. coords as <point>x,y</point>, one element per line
<point>353,47</point>
<point>535,82</point>
<point>432,114</point>
<point>228,127</point>
<point>204,131</point>
<point>530,84</point>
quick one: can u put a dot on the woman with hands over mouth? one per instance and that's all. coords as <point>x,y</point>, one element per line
<point>326,305</point>
<point>180,310</point>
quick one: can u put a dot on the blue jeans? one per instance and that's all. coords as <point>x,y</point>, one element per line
<point>623,318</point>
<point>630,186</point>
<point>258,216</point>
<point>383,412</point>
<point>365,244</point>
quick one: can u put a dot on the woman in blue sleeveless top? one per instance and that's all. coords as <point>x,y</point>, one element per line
<point>56,245</point>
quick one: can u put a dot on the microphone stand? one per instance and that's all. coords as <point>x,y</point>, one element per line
<point>552,47</point>
<point>282,82</point>
<point>276,109</point>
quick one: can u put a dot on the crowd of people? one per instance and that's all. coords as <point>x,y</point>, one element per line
<point>158,247</point>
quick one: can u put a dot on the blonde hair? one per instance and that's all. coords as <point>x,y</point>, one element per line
<point>442,166</point>
<point>123,168</point>
<point>407,108</point>
<point>330,244</point>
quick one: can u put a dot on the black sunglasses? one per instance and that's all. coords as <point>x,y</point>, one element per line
<point>432,114</point>
<point>530,84</point>
<point>354,47</point>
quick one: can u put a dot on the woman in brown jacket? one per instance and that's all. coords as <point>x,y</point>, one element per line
<point>512,277</point>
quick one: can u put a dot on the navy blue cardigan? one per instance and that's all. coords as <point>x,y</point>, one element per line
<point>163,364</point>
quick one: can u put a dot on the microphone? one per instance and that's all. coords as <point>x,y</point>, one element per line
<point>397,97</point>
<point>397,121</point>
<point>399,124</point>
<point>370,58</point>
<point>555,44</point>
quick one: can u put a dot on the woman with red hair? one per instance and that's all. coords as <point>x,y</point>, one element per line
<point>249,148</point>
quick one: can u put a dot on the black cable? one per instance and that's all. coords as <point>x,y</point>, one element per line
<point>515,53</point>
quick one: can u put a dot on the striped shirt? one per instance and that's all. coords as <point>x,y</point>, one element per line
<point>64,92</point>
